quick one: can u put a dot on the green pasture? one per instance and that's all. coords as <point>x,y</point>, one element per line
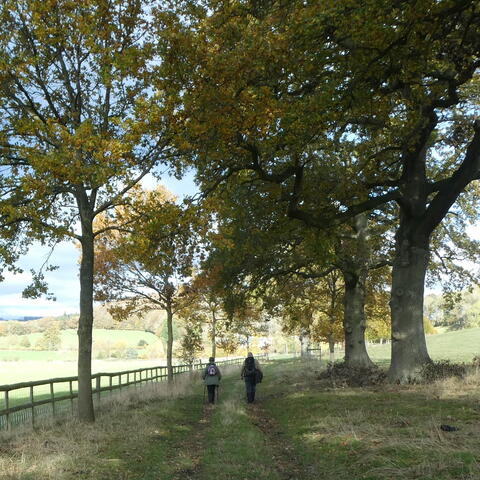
<point>34,355</point>
<point>299,427</point>
<point>458,346</point>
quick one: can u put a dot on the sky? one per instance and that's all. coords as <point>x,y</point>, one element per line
<point>64,282</point>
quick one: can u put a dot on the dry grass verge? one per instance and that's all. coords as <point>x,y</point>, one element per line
<point>65,451</point>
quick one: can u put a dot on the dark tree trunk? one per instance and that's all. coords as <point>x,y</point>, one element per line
<point>409,348</point>
<point>169,343</point>
<point>354,267</point>
<point>85,325</point>
<point>354,323</point>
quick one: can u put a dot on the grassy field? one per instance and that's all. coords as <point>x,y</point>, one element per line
<point>299,428</point>
<point>24,365</point>
<point>24,371</point>
<point>69,339</point>
<point>34,356</point>
<point>459,346</point>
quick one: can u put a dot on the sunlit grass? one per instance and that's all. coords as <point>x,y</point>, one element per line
<point>387,432</point>
<point>313,431</point>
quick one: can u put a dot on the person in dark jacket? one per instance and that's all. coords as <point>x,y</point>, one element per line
<point>211,378</point>
<point>249,374</point>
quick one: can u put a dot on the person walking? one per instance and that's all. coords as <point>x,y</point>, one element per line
<point>211,378</point>
<point>252,374</point>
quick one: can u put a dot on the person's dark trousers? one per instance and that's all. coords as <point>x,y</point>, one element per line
<point>250,387</point>
<point>211,393</point>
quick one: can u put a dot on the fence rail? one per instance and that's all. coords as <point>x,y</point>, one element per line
<point>27,401</point>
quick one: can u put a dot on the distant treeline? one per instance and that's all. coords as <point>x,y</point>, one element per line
<point>151,322</point>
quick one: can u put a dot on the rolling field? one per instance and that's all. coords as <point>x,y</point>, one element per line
<point>70,340</point>
<point>30,370</point>
<point>459,346</point>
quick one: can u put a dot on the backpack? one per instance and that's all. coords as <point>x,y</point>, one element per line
<point>211,370</point>
<point>249,367</point>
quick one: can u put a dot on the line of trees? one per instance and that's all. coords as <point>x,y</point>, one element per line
<point>332,141</point>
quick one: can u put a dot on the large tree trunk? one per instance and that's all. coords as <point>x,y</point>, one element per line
<point>331,348</point>
<point>214,335</point>
<point>85,325</point>
<point>169,344</point>
<point>304,343</point>
<point>354,323</point>
<point>354,267</point>
<point>409,348</point>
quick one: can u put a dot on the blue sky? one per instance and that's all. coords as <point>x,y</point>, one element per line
<point>64,282</point>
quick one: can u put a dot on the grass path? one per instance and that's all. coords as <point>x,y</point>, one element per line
<point>237,446</point>
<point>190,440</point>
<point>298,429</point>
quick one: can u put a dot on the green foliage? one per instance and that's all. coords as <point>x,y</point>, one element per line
<point>191,343</point>
<point>25,342</point>
<point>428,327</point>
<point>50,339</point>
<point>456,311</point>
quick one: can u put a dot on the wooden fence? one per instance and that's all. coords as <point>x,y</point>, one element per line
<point>28,401</point>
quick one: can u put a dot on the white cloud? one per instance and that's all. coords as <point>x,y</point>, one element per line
<point>13,305</point>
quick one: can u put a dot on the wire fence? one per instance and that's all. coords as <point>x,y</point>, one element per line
<point>31,402</point>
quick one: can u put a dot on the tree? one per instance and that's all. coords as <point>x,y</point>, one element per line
<point>149,266</point>
<point>347,107</point>
<point>74,94</point>
<point>191,343</point>
<point>208,304</point>
<point>50,339</point>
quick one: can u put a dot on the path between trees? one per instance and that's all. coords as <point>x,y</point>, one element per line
<point>235,440</point>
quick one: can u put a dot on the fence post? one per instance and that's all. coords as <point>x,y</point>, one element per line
<point>71,395</point>
<point>33,406</point>
<point>98,383</point>
<point>110,382</point>
<point>52,395</point>
<point>7,406</point>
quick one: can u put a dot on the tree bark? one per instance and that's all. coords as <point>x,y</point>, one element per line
<point>354,267</point>
<point>354,323</point>
<point>331,348</point>
<point>169,344</point>
<point>409,348</point>
<point>304,343</point>
<point>85,324</point>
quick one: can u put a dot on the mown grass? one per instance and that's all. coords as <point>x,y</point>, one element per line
<point>300,428</point>
<point>379,433</point>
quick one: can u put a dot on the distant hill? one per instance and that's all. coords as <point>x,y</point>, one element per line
<point>20,319</point>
